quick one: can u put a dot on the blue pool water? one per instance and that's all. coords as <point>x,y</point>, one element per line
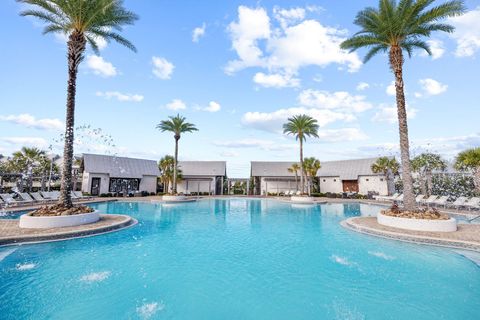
<point>236,259</point>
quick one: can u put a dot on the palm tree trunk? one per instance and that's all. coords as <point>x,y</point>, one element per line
<point>302,181</point>
<point>76,47</point>
<point>175,160</point>
<point>390,182</point>
<point>396,63</point>
<point>428,178</point>
<point>296,180</point>
<point>476,179</point>
<point>423,185</point>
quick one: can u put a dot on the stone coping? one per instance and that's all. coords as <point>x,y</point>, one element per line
<point>33,206</point>
<point>466,237</point>
<point>11,233</point>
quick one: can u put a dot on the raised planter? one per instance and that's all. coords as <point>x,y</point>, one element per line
<point>449,225</point>
<point>302,199</point>
<point>31,222</point>
<point>174,198</point>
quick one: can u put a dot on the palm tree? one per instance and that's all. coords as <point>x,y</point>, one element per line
<point>177,125</point>
<point>294,169</point>
<point>311,167</point>
<point>166,165</point>
<point>26,161</point>
<point>301,126</point>
<point>83,21</point>
<point>470,159</point>
<point>397,27</point>
<point>389,168</point>
<point>425,164</point>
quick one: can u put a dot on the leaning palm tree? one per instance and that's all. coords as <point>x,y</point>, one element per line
<point>301,126</point>
<point>82,21</point>
<point>177,125</point>
<point>311,166</point>
<point>424,164</point>
<point>397,27</point>
<point>294,169</point>
<point>470,160</point>
<point>389,168</point>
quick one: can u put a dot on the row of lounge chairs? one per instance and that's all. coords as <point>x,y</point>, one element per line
<point>33,198</point>
<point>441,201</point>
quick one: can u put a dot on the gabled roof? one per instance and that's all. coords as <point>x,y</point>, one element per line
<point>119,167</point>
<point>203,168</point>
<point>345,169</point>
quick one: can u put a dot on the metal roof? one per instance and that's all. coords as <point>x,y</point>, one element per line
<point>203,168</point>
<point>345,169</point>
<point>120,167</point>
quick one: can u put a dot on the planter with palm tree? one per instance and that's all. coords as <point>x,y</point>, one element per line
<point>294,169</point>
<point>177,125</point>
<point>470,160</point>
<point>397,27</point>
<point>82,22</point>
<point>310,167</point>
<point>301,126</point>
<point>389,168</point>
<point>424,164</point>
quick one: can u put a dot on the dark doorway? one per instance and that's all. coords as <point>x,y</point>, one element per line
<point>95,190</point>
<point>350,185</point>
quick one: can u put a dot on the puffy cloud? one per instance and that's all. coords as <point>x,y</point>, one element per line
<point>389,114</point>
<point>276,80</point>
<point>340,100</point>
<point>362,86</point>
<point>437,49</point>
<point>297,43</point>
<point>432,87</point>
<point>176,104</point>
<point>162,68</point>
<point>30,121</point>
<point>391,91</point>
<point>100,66</point>
<point>18,142</point>
<point>198,32</point>
<point>212,107</point>
<point>467,33</point>
<point>344,134</point>
<point>123,97</point>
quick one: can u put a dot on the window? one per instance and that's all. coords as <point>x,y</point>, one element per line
<point>123,185</point>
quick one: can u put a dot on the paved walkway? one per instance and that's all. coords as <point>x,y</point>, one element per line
<point>11,233</point>
<point>466,237</point>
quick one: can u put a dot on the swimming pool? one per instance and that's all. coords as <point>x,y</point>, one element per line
<point>236,259</point>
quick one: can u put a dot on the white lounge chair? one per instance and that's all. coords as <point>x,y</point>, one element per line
<point>399,198</point>
<point>420,198</point>
<point>387,198</point>
<point>46,195</point>
<point>26,197</point>
<point>9,200</point>
<point>473,203</point>
<point>430,200</point>
<point>55,195</point>
<point>441,201</point>
<point>37,197</point>
<point>459,202</point>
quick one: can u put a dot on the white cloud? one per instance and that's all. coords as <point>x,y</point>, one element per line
<point>391,91</point>
<point>123,97</point>
<point>276,80</point>
<point>176,104</point>
<point>162,68</point>
<point>362,86</point>
<point>101,67</point>
<point>229,154</point>
<point>467,33</point>
<point>198,32</point>
<point>268,145</point>
<point>389,114</point>
<point>437,49</point>
<point>340,100</point>
<point>30,121</point>
<point>212,107</point>
<point>101,42</point>
<point>344,134</point>
<point>18,142</point>
<point>432,87</point>
<point>297,43</point>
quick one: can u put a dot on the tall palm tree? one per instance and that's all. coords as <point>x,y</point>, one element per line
<point>294,169</point>
<point>301,126</point>
<point>82,21</point>
<point>389,168</point>
<point>397,27</point>
<point>425,164</point>
<point>470,160</point>
<point>311,166</point>
<point>177,125</point>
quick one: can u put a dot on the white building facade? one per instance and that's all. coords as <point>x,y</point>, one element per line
<point>111,174</point>
<point>202,177</point>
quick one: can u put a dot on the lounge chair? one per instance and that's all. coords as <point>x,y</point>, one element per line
<point>441,201</point>
<point>473,203</point>
<point>46,195</point>
<point>55,195</point>
<point>459,202</point>
<point>9,200</point>
<point>429,201</point>
<point>26,197</point>
<point>420,198</point>
<point>386,198</point>
<point>80,195</point>
<point>37,197</point>
<point>399,198</point>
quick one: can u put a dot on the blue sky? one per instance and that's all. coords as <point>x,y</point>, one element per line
<point>238,69</point>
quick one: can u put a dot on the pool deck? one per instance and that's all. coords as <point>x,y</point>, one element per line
<point>11,233</point>
<point>466,237</point>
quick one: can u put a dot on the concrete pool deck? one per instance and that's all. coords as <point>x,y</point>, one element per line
<point>466,237</point>
<point>11,233</point>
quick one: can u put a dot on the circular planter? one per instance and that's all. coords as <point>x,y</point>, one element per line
<point>28,221</point>
<point>300,199</point>
<point>174,198</point>
<point>449,225</point>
